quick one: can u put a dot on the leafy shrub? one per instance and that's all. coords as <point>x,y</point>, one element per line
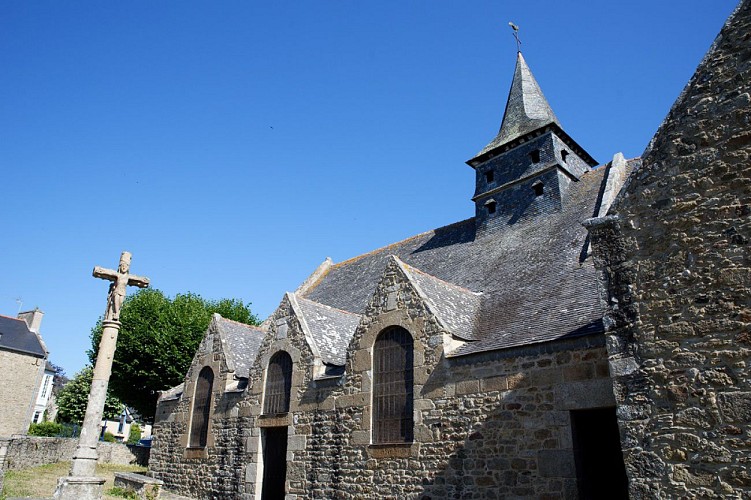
<point>109,437</point>
<point>135,434</point>
<point>46,429</point>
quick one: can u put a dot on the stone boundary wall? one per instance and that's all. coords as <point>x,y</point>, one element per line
<point>29,451</point>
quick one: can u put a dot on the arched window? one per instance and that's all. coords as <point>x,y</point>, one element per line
<point>199,427</point>
<point>278,384</point>
<point>393,360</point>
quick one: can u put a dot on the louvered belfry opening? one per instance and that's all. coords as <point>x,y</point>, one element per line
<point>278,384</point>
<point>393,360</point>
<point>199,428</point>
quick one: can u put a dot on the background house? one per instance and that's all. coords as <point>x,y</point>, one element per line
<point>23,359</point>
<point>45,401</point>
<point>120,428</point>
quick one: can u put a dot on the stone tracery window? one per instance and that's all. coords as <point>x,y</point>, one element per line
<point>278,384</point>
<point>393,393</point>
<point>199,427</point>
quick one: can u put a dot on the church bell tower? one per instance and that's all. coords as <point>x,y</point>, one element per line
<point>524,172</point>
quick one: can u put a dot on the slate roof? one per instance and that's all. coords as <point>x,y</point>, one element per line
<point>526,108</point>
<point>455,306</point>
<point>331,329</point>
<point>172,393</point>
<point>16,336</point>
<point>536,285</point>
<point>241,343</point>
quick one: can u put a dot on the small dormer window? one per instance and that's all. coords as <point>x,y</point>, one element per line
<point>489,176</point>
<point>539,188</point>
<point>490,205</point>
<point>535,156</point>
<point>564,154</point>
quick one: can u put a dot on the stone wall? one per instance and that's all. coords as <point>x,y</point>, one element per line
<point>216,469</point>
<point>29,451</point>
<point>285,333</point>
<point>494,428</point>
<point>19,392</point>
<point>488,426</point>
<point>674,252</point>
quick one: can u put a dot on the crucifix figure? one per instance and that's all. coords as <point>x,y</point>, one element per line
<point>120,280</point>
<point>82,483</point>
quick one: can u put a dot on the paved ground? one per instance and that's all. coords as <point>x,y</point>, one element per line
<point>166,495</point>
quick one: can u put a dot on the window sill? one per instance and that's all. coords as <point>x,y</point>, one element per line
<point>393,450</point>
<point>195,452</point>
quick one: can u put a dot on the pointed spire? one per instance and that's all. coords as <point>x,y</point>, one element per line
<point>526,109</point>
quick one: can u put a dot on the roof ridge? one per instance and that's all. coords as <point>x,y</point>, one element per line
<point>254,327</point>
<point>298,297</point>
<point>429,300</point>
<point>453,285</point>
<point>11,317</point>
<point>357,257</point>
<point>603,165</point>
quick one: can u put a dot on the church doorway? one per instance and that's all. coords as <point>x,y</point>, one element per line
<point>274,462</point>
<point>600,472</point>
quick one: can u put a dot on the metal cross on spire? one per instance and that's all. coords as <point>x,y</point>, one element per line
<point>516,35</point>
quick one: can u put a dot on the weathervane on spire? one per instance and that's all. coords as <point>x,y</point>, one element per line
<point>516,35</point>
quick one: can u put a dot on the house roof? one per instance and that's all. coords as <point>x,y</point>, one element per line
<point>172,393</point>
<point>331,329</point>
<point>241,343</point>
<point>16,336</point>
<point>455,306</point>
<point>534,281</point>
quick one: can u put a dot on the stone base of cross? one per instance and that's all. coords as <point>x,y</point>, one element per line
<point>79,487</point>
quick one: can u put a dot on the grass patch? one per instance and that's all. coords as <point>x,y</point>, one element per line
<point>41,481</point>
<point>121,492</point>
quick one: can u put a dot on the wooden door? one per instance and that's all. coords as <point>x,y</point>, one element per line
<point>274,463</point>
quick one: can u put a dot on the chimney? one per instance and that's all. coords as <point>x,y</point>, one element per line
<point>32,318</point>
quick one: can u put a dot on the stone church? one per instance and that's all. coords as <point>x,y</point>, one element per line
<point>585,335</point>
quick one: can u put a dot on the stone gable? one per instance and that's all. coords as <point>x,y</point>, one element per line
<point>674,252</point>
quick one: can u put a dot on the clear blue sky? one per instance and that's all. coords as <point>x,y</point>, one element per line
<point>231,146</point>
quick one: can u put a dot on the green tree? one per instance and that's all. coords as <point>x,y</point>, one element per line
<point>59,380</point>
<point>134,436</point>
<point>73,398</point>
<point>157,341</point>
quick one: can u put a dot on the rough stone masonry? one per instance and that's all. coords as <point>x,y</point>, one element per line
<point>674,251</point>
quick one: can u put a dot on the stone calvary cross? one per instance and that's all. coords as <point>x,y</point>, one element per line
<point>120,280</point>
<point>82,484</point>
